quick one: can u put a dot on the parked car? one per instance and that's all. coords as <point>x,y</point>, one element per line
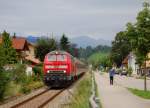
<point>118,71</point>
<point>124,72</point>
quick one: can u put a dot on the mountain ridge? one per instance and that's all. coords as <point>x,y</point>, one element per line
<point>84,41</point>
<point>81,41</point>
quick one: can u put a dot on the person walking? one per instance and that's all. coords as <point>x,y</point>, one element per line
<point>111,75</point>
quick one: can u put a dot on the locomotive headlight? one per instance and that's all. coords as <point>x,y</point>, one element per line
<point>49,66</point>
<point>64,71</point>
<point>63,66</point>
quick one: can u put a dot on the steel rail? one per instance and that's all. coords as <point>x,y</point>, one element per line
<point>29,99</point>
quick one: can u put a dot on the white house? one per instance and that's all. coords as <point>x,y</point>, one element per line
<point>132,63</point>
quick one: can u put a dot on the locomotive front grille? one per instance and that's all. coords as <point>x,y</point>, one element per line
<point>56,76</point>
<point>55,72</point>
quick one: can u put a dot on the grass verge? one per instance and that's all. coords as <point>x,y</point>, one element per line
<point>140,93</point>
<point>14,89</point>
<point>82,93</point>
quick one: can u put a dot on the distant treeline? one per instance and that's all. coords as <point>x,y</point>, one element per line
<point>45,45</point>
<point>88,51</point>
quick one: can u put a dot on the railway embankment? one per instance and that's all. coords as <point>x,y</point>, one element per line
<point>94,99</point>
<point>82,93</point>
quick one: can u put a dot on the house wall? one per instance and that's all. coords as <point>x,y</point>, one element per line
<point>148,61</point>
<point>31,51</point>
<point>132,62</point>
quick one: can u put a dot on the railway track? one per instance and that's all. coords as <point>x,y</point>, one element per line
<point>40,100</point>
<point>43,98</point>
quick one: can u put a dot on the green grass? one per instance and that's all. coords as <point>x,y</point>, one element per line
<point>82,93</point>
<point>14,89</point>
<point>142,77</point>
<point>140,93</point>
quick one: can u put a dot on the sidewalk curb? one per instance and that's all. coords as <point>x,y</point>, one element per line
<point>93,99</point>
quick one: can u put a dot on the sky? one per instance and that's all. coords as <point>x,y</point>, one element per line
<point>93,18</point>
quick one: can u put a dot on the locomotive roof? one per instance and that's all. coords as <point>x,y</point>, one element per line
<point>58,52</point>
<point>64,52</point>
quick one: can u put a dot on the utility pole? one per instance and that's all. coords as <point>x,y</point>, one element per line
<point>145,82</point>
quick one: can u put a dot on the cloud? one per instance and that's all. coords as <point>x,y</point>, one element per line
<point>96,18</point>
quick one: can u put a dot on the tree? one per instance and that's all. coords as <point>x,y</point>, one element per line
<point>73,50</point>
<point>143,30</point>
<point>102,48</point>
<point>44,46</point>
<point>81,53</point>
<point>120,48</point>
<point>84,53</point>
<point>135,38</point>
<point>2,57</point>
<point>7,43</point>
<point>64,43</point>
<point>3,77</point>
<point>7,56</point>
<point>10,52</point>
<point>142,41</point>
<point>99,59</point>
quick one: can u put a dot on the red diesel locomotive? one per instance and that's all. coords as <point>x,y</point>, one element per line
<point>61,68</point>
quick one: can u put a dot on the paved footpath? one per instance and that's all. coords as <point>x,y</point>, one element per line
<point>117,96</point>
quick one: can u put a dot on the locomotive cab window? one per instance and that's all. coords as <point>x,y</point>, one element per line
<point>61,57</point>
<point>52,57</point>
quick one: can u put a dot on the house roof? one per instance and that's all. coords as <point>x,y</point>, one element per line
<point>18,43</point>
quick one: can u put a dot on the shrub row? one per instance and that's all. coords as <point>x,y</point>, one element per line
<point>15,81</point>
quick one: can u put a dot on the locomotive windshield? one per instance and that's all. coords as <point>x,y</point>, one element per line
<point>59,57</point>
<point>52,57</point>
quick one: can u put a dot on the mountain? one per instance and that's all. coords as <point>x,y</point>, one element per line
<point>81,41</point>
<point>84,41</point>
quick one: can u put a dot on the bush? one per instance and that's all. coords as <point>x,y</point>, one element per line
<point>25,89</point>
<point>38,72</point>
<point>14,82</point>
<point>19,74</point>
<point>13,89</point>
<point>3,83</point>
<point>31,86</point>
<point>35,85</point>
<point>20,78</point>
<point>27,80</point>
